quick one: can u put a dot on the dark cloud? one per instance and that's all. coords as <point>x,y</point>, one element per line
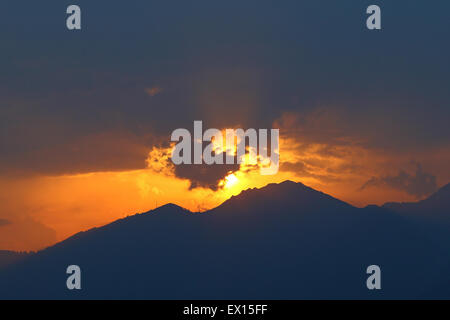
<point>305,169</point>
<point>46,151</point>
<point>4,222</point>
<point>204,176</point>
<point>199,175</point>
<point>419,184</point>
<point>62,90</point>
<point>297,167</point>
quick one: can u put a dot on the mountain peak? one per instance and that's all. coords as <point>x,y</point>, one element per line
<point>171,207</point>
<point>440,197</point>
<point>168,207</point>
<point>287,193</point>
<point>444,189</point>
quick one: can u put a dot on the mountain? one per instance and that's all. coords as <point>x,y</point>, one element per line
<point>433,213</point>
<point>10,257</point>
<point>434,209</point>
<point>283,241</point>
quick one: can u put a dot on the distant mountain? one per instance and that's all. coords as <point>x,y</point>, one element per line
<point>434,208</point>
<point>283,241</point>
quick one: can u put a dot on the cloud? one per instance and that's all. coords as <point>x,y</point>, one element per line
<point>209,81</point>
<point>419,184</point>
<point>113,150</point>
<point>204,176</point>
<point>4,222</point>
<point>199,175</point>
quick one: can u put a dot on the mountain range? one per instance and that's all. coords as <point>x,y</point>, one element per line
<point>283,241</point>
<point>9,257</point>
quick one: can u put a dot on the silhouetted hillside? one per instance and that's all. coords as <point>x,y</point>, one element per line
<point>9,257</point>
<point>434,208</point>
<point>283,241</point>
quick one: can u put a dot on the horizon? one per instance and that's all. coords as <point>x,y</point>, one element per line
<point>203,212</point>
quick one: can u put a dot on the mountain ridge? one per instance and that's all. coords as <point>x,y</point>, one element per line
<point>282,241</point>
<point>435,207</point>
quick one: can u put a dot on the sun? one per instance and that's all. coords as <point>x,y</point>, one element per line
<point>230,180</point>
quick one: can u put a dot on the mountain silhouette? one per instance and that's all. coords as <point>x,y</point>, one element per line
<point>283,241</point>
<point>9,257</point>
<point>434,208</point>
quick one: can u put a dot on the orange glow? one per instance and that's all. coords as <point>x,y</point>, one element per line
<point>72,203</point>
<point>229,181</point>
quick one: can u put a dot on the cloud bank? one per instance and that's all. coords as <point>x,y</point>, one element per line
<point>419,184</point>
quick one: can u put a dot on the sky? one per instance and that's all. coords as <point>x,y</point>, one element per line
<point>86,116</point>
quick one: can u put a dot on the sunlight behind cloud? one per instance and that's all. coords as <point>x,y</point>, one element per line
<point>230,180</point>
